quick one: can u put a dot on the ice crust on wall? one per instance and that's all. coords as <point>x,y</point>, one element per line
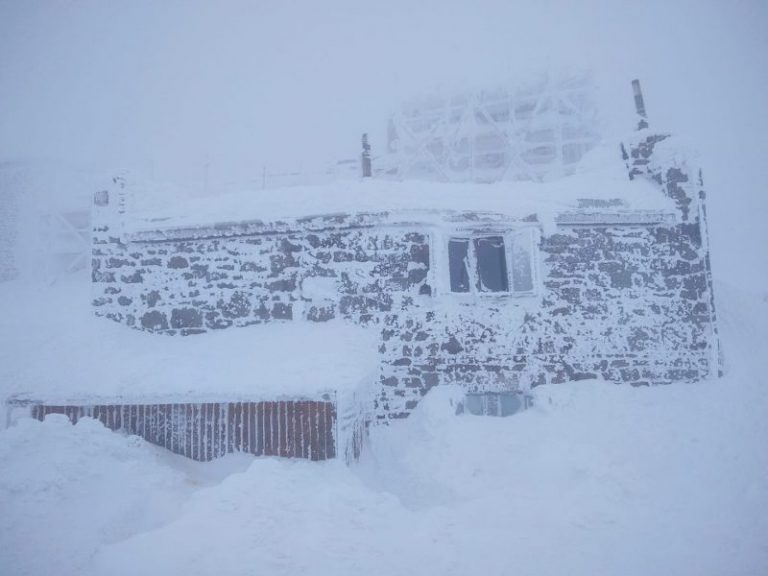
<point>623,288</point>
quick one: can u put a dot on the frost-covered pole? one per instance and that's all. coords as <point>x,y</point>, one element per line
<point>366,157</point>
<point>642,122</point>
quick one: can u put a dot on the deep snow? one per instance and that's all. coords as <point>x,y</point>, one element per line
<point>601,175</point>
<point>77,354</point>
<point>594,479</point>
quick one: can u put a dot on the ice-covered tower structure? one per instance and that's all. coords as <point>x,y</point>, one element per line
<point>537,132</point>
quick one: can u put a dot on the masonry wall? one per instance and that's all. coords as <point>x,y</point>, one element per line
<point>628,303</point>
<point>375,275</point>
<point>377,278</point>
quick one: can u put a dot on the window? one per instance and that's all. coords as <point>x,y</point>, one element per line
<point>495,403</point>
<point>492,263</point>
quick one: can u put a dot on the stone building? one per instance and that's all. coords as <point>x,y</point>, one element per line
<point>497,287</point>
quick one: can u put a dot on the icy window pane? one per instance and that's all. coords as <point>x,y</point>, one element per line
<point>458,252</point>
<point>491,264</point>
<point>510,403</point>
<point>474,404</point>
<point>522,275</point>
<point>493,403</point>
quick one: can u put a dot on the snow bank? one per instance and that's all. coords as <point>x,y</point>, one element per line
<point>595,479</point>
<point>275,518</point>
<point>599,478</point>
<point>66,491</point>
<point>603,179</point>
<point>52,348</point>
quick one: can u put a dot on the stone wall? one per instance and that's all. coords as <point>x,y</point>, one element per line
<point>625,303</point>
<point>369,276</point>
<point>629,302</point>
<point>358,269</point>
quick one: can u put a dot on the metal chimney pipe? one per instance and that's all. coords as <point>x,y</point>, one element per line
<point>366,157</point>
<point>639,105</point>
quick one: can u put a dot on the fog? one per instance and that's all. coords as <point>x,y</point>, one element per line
<point>182,91</point>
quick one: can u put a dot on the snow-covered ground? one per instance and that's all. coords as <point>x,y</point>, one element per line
<point>594,479</point>
<point>77,354</point>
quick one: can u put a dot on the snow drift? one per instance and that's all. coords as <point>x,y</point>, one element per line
<point>595,479</point>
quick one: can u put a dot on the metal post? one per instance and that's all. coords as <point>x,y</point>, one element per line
<point>366,157</point>
<point>639,105</point>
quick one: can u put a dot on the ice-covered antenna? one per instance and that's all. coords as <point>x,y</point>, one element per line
<point>366,157</point>
<point>639,105</point>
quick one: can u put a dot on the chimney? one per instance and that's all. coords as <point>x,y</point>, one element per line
<point>366,157</point>
<point>642,122</point>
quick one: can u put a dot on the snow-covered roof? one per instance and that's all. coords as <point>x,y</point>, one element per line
<point>53,345</point>
<point>411,200</point>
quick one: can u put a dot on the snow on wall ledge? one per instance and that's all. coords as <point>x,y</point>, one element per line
<point>618,293</point>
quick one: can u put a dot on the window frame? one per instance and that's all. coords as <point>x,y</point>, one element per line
<point>509,235</point>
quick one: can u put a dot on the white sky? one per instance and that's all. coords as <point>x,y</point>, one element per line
<point>165,87</point>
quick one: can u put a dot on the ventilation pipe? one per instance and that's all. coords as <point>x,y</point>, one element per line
<point>366,157</point>
<point>642,122</point>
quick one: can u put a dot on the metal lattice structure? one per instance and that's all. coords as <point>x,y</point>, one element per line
<point>538,133</point>
<point>66,242</point>
<point>45,229</point>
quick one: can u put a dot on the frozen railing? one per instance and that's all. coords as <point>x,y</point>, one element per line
<point>207,430</point>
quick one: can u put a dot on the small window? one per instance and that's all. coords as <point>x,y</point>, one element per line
<point>494,403</point>
<point>492,263</point>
